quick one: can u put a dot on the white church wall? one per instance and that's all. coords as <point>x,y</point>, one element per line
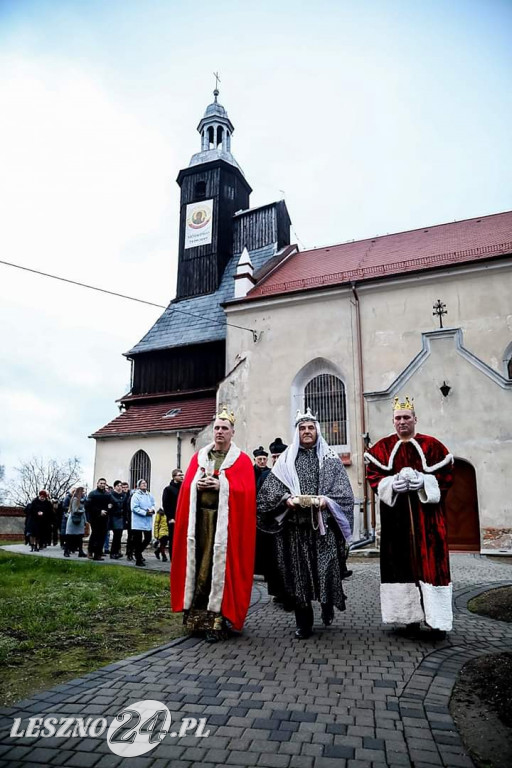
<point>393,315</point>
<point>113,458</point>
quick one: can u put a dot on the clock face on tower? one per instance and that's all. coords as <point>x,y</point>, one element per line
<point>198,224</point>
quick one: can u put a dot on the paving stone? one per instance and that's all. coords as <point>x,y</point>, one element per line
<point>338,750</point>
<point>110,761</point>
<point>236,757</point>
<point>270,760</point>
<point>78,759</point>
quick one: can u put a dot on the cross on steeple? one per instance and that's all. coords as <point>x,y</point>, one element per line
<point>217,81</point>
<point>439,310</point>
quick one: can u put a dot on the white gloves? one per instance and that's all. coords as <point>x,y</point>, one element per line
<point>399,485</point>
<point>408,480</point>
<point>416,483</point>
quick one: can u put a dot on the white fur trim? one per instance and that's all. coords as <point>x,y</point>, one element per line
<point>400,603</point>
<point>437,602</point>
<point>368,457</point>
<point>385,491</point>
<point>430,493</point>
<point>221,531</point>
<point>448,459</point>
<point>190,574</point>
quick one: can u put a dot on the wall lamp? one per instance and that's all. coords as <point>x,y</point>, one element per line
<point>445,389</point>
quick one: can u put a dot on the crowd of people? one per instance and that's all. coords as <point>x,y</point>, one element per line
<point>229,517</point>
<point>103,516</point>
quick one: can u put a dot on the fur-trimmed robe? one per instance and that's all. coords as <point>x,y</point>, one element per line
<point>233,554</point>
<point>417,588</point>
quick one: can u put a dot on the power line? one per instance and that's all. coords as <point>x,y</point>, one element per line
<point>130,298</point>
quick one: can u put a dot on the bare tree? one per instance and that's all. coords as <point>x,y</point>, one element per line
<point>3,493</point>
<point>37,473</point>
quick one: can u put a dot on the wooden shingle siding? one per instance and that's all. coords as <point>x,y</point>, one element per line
<point>182,368</point>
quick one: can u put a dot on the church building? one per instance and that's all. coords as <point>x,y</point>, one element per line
<point>266,328</point>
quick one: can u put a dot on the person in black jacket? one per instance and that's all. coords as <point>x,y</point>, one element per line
<point>169,501</point>
<point>116,519</point>
<point>39,521</point>
<point>98,505</point>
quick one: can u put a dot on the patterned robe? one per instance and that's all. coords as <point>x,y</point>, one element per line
<point>311,565</point>
<point>414,560</point>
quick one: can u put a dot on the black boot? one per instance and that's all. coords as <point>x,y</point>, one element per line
<point>327,614</point>
<point>304,619</point>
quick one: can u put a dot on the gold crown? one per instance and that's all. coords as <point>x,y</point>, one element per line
<point>403,405</point>
<point>223,414</point>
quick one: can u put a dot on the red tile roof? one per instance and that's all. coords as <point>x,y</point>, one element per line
<point>143,418</point>
<point>391,255</point>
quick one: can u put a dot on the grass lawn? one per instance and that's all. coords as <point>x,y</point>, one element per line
<point>60,620</point>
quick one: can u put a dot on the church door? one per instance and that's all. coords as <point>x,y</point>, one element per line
<point>462,509</point>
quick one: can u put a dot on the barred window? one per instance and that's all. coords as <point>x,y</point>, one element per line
<point>140,469</point>
<point>325,396</point>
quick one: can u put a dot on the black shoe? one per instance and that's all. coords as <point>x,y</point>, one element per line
<point>82,554</point>
<point>327,614</point>
<point>119,556</point>
<point>347,574</point>
<point>212,637</point>
<point>129,556</point>
<point>98,557</point>
<point>66,553</point>
<point>301,633</point>
<point>410,630</point>
<point>140,563</point>
<point>157,554</point>
<point>435,634</point>
<point>164,557</point>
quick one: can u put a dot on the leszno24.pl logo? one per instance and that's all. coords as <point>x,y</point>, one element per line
<point>136,729</point>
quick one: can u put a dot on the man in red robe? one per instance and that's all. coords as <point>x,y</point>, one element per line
<point>411,474</point>
<point>214,538</point>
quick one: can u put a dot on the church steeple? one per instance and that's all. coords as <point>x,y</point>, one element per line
<point>213,189</point>
<point>215,129</point>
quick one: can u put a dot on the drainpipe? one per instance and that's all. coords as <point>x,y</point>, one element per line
<point>178,450</point>
<point>361,406</point>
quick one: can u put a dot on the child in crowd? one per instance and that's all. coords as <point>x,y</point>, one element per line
<point>161,534</point>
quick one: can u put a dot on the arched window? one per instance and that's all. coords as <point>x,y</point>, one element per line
<point>220,136</point>
<point>211,136</point>
<point>140,469</point>
<point>325,396</point>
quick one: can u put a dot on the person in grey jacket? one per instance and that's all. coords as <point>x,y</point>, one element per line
<point>143,508</point>
<point>75,523</point>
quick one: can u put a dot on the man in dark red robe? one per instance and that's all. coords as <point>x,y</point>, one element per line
<point>214,537</point>
<point>411,474</point>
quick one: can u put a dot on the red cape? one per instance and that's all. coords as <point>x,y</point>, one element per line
<point>241,528</point>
